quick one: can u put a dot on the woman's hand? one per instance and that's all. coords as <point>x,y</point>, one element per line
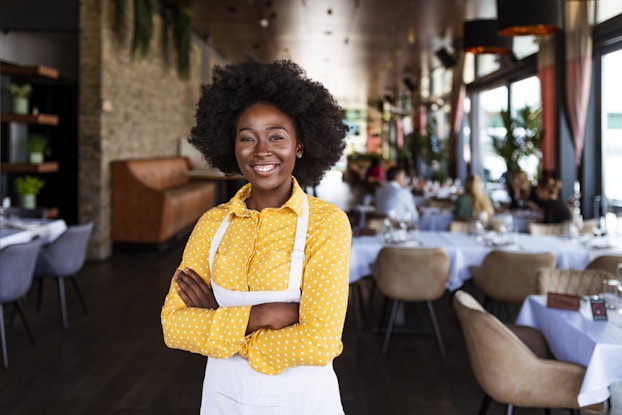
<point>193,290</point>
<point>272,316</point>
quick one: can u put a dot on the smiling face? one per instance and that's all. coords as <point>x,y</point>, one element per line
<point>266,149</point>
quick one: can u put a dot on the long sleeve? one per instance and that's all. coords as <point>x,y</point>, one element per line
<point>316,340</point>
<point>217,333</point>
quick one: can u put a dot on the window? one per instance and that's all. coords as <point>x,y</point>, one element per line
<point>612,126</point>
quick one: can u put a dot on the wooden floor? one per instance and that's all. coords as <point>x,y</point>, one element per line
<point>113,360</point>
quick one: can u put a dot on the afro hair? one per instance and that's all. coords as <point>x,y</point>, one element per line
<point>235,87</point>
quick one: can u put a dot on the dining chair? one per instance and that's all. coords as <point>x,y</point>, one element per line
<point>536,228</point>
<point>573,282</point>
<point>464,226</point>
<point>64,258</point>
<point>406,274</point>
<point>606,262</point>
<point>17,264</point>
<point>508,277</point>
<point>513,365</point>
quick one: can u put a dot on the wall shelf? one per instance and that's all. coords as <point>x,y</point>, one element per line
<point>45,167</point>
<point>35,70</point>
<point>42,119</point>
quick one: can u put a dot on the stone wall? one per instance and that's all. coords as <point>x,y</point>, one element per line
<point>129,108</point>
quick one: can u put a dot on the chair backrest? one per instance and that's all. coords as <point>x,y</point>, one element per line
<point>536,228</point>
<point>411,274</point>
<point>510,276</point>
<point>573,282</point>
<point>66,254</point>
<point>17,264</point>
<point>606,262</point>
<point>588,226</point>
<point>464,226</point>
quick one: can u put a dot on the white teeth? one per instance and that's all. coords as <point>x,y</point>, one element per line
<point>265,168</point>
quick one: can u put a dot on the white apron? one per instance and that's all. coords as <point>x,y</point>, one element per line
<point>231,386</point>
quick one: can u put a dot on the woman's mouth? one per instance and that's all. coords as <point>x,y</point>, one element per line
<point>265,168</point>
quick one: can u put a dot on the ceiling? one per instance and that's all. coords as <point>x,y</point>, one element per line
<point>361,50</point>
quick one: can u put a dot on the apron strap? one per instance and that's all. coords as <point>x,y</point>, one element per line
<point>217,238</point>
<point>298,253</point>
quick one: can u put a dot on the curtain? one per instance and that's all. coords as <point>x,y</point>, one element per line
<point>546,73</point>
<point>578,30</point>
<point>456,113</point>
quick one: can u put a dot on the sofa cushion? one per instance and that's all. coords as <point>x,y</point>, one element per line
<point>160,173</point>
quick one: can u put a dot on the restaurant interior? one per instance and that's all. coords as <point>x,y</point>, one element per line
<point>495,313</point>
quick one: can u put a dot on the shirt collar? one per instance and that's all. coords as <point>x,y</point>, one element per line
<point>238,207</point>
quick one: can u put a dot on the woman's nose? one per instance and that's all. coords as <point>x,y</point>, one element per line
<point>262,148</point>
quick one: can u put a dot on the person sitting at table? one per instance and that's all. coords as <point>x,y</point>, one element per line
<point>519,190</point>
<point>473,202</point>
<point>374,176</point>
<point>393,197</point>
<point>554,210</point>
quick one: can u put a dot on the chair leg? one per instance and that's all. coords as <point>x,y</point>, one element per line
<point>5,357</point>
<point>39,293</point>
<point>547,411</point>
<point>356,304</point>
<point>20,311</point>
<point>74,281</point>
<point>390,324</point>
<point>437,331</point>
<point>63,301</point>
<point>509,409</point>
<point>483,409</point>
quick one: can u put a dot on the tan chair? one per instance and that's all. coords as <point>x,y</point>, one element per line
<point>588,227</point>
<point>464,226</point>
<point>536,228</point>
<point>444,204</point>
<point>505,366</point>
<point>507,277</point>
<point>411,275</point>
<point>606,262</point>
<point>568,281</point>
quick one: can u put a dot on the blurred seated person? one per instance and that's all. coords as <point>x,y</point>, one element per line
<point>393,197</point>
<point>374,176</point>
<point>473,201</point>
<point>520,190</point>
<point>554,210</point>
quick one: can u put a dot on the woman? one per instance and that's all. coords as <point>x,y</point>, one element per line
<point>473,203</point>
<point>262,288</point>
<point>553,209</point>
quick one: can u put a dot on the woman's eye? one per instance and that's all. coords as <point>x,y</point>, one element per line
<point>245,138</point>
<point>276,137</point>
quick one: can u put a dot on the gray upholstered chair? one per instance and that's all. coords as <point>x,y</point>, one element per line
<point>17,264</point>
<point>61,259</point>
<point>512,364</point>
<point>573,282</point>
<point>507,277</point>
<point>411,275</point>
<point>606,262</point>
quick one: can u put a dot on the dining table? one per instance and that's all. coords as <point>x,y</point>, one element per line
<point>573,336</point>
<point>21,230</point>
<point>465,250</point>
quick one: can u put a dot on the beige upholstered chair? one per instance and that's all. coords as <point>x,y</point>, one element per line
<point>511,363</point>
<point>464,226</point>
<point>568,281</point>
<point>588,227</point>
<point>536,228</point>
<point>507,277</point>
<point>411,275</point>
<point>606,262</point>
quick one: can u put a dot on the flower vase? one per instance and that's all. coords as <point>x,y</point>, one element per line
<point>35,158</point>
<point>28,201</point>
<point>20,105</point>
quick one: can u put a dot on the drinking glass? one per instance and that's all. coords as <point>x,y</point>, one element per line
<point>610,292</point>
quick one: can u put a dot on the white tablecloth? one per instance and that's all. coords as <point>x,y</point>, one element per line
<point>573,338</point>
<point>464,250</point>
<point>24,230</point>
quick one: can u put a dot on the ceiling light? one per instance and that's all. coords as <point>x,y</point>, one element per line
<point>264,23</point>
<point>411,36</point>
<point>528,17</point>
<point>480,36</point>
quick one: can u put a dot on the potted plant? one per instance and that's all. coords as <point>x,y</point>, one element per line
<point>35,146</point>
<point>19,97</point>
<point>27,188</point>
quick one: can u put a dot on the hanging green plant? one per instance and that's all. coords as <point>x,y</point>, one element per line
<point>143,26</point>
<point>182,36</point>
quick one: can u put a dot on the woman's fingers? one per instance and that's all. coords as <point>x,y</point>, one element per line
<point>193,290</point>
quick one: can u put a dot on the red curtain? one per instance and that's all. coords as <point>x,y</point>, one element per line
<point>546,73</point>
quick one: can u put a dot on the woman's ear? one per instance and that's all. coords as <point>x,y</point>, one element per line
<point>299,149</point>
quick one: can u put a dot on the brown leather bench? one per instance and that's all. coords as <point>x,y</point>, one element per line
<point>154,199</point>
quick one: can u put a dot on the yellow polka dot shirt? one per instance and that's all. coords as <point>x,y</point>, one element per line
<point>254,255</point>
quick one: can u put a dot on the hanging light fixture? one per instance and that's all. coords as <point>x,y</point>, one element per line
<point>528,17</point>
<point>480,36</point>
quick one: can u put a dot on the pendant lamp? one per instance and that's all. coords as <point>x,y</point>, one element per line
<point>480,36</point>
<point>528,17</point>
